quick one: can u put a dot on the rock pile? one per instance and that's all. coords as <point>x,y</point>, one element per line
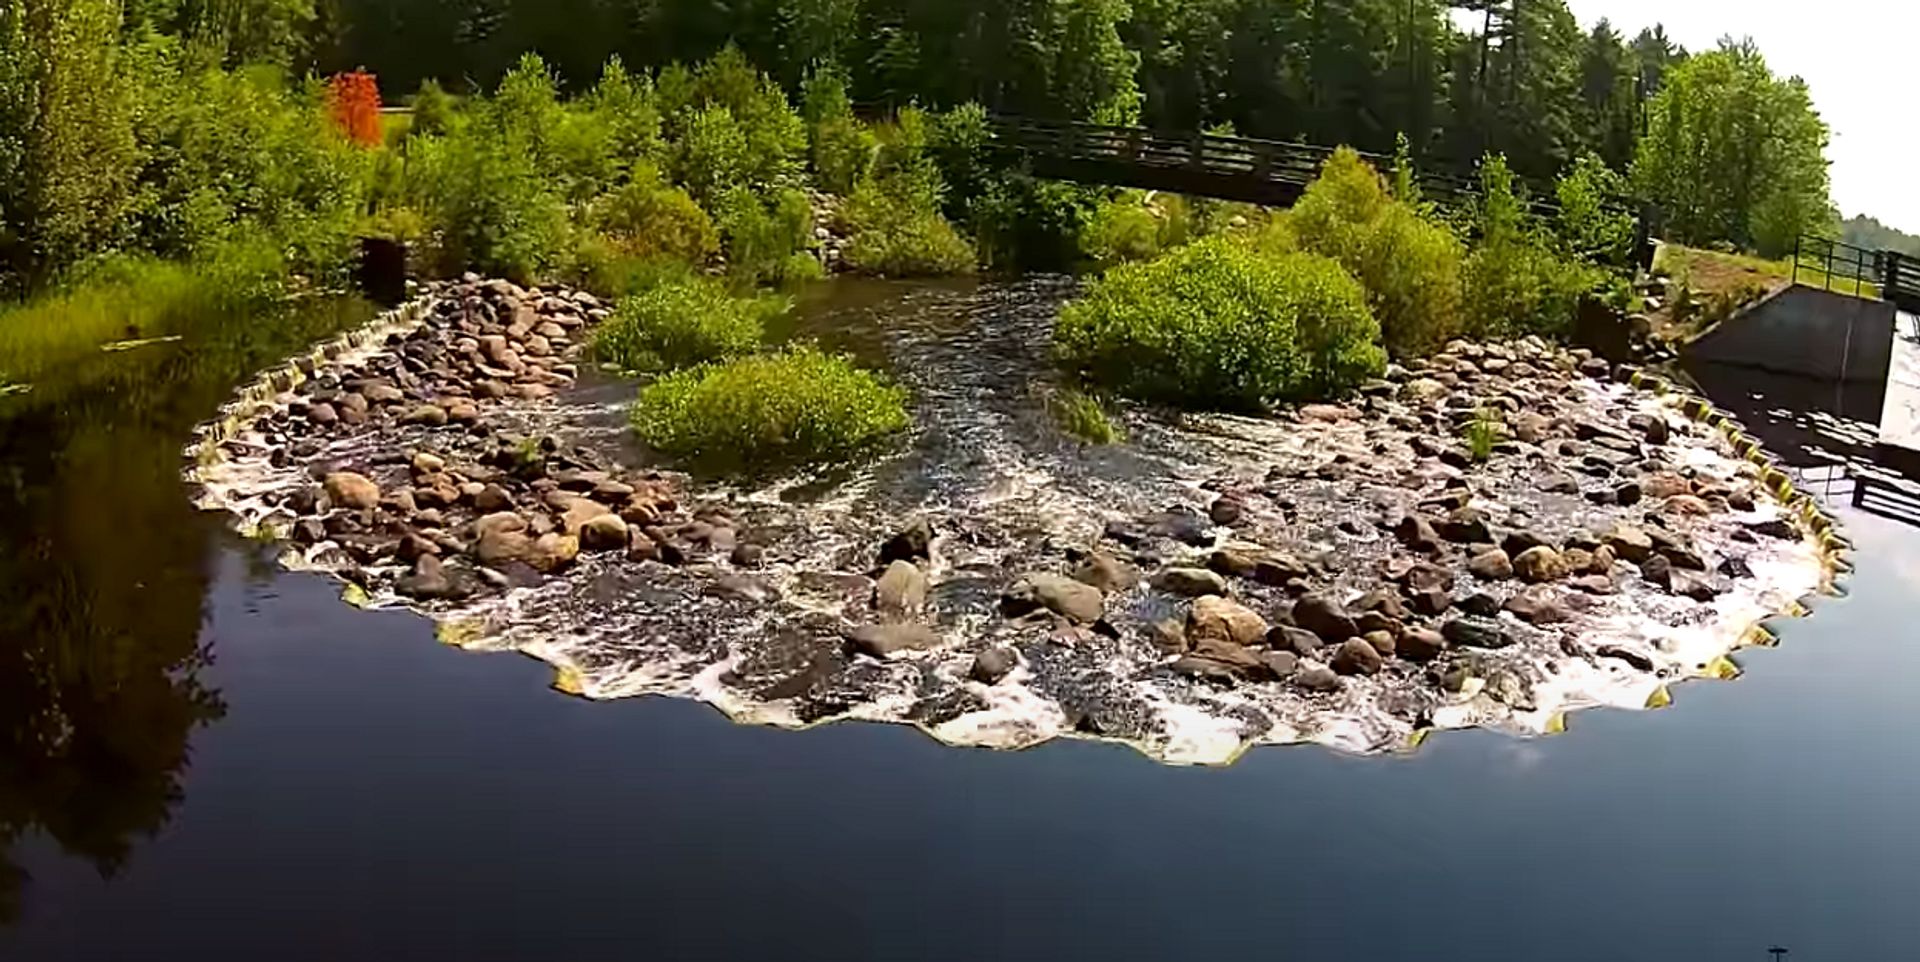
<point>443,505</point>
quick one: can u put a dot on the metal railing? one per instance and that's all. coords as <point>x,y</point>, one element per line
<point>1842,268</point>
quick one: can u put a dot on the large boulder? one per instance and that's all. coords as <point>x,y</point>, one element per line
<point>1077,602</point>
<point>992,665</point>
<point>349,490</point>
<point>1215,617</point>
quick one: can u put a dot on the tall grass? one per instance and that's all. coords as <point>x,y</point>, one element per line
<point>124,300</point>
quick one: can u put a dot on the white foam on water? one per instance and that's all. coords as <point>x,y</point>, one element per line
<point>1007,496</point>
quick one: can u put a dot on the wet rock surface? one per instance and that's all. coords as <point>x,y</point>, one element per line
<point>1338,574</point>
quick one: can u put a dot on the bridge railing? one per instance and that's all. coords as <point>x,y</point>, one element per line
<point>1839,267</point>
<point>1217,155</point>
<point>1901,281</point>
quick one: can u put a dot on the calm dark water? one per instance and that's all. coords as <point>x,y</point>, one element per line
<point>206,759</point>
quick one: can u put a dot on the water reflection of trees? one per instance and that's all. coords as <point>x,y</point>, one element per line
<point>103,569</point>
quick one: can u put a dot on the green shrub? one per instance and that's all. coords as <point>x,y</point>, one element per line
<point>762,414</point>
<point>843,148</point>
<point>1121,229</point>
<point>1218,325</point>
<point>762,232</point>
<point>1083,416</point>
<point>732,125</point>
<point>1520,287</point>
<point>649,218</point>
<point>893,217</point>
<point>1515,280</point>
<point>710,156</point>
<point>1022,222</point>
<point>682,323</point>
<point>433,109</point>
<point>1590,225</point>
<point>596,265</point>
<point>893,237</point>
<point>1409,265</point>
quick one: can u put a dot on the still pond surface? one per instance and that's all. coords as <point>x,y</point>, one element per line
<point>204,757</point>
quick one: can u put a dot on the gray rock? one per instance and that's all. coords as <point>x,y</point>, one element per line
<point>1300,641</point>
<point>882,641</point>
<point>1318,678</point>
<point>992,665</point>
<point>1063,596</point>
<point>1475,633</point>
<point>1281,663</point>
<point>429,580</point>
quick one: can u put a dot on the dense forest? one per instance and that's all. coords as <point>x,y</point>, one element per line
<point>199,129</point>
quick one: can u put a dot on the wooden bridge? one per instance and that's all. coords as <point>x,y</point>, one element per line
<point>1268,172</point>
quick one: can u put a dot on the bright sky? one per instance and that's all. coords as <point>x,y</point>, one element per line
<point>1860,58</point>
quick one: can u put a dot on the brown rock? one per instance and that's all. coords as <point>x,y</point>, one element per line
<point>1491,565</point>
<point>553,552</point>
<point>1540,565</point>
<point>353,491</point>
<point>604,533</point>
<point>1356,657</point>
<point>1216,617</point>
<point>1421,644</point>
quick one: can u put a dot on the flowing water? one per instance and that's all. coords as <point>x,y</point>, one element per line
<point>209,757</point>
<point>1009,494</point>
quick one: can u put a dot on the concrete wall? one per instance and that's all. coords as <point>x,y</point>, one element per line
<point>1807,332</point>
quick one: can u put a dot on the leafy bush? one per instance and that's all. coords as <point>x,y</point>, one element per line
<point>1020,221</point>
<point>682,323</point>
<point>1515,280</point>
<point>893,217</point>
<point>892,237</point>
<point>433,109</point>
<point>1590,225</point>
<point>843,148</point>
<point>761,414</point>
<point>1410,266</point>
<point>710,156</point>
<point>725,113</point>
<point>1122,229</point>
<point>649,218</point>
<point>763,232</point>
<point>1520,287</point>
<point>1217,325</point>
